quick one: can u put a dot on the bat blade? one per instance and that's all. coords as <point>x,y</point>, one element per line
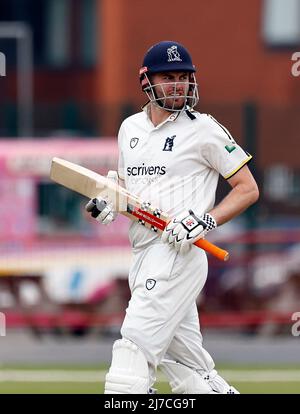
<point>77,178</point>
<point>90,184</point>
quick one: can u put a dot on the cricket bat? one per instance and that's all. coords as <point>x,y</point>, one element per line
<point>91,185</point>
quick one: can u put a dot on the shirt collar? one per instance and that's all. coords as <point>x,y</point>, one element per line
<point>171,118</point>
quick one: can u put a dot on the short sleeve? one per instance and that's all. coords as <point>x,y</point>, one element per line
<point>221,151</point>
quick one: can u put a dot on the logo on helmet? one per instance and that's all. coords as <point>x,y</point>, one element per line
<point>173,54</point>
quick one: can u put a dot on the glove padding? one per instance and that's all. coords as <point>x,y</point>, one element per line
<point>100,208</point>
<point>186,229</point>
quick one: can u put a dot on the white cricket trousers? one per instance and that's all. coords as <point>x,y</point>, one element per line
<point>161,317</point>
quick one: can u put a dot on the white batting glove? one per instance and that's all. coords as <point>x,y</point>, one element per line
<point>100,208</point>
<point>187,228</point>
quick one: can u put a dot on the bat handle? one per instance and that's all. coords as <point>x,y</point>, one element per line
<point>212,249</point>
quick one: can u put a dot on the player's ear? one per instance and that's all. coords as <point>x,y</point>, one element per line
<point>145,82</point>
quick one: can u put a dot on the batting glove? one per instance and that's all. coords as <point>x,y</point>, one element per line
<point>186,229</point>
<point>100,208</point>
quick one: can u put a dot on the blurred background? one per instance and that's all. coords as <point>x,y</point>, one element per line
<point>68,77</point>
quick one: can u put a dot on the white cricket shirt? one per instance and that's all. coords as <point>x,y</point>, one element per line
<point>175,165</point>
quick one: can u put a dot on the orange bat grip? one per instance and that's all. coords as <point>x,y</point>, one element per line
<point>213,249</point>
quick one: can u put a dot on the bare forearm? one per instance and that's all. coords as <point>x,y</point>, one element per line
<point>237,201</point>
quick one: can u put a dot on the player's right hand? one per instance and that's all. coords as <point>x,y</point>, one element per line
<point>183,231</point>
<point>101,209</point>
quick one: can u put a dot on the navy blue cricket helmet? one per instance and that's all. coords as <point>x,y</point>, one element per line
<point>168,56</point>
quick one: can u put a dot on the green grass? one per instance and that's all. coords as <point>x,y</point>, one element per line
<point>163,388</point>
<point>35,386</point>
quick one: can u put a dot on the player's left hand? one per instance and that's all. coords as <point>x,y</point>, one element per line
<point>184,230</point>
<point>102,209</point>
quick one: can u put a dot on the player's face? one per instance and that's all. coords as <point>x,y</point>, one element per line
<point>172,88</point>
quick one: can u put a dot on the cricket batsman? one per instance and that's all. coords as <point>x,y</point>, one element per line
<point>172,156</point>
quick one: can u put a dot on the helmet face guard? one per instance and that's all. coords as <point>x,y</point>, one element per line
<point>157,94</point>
<point>169,56</point>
